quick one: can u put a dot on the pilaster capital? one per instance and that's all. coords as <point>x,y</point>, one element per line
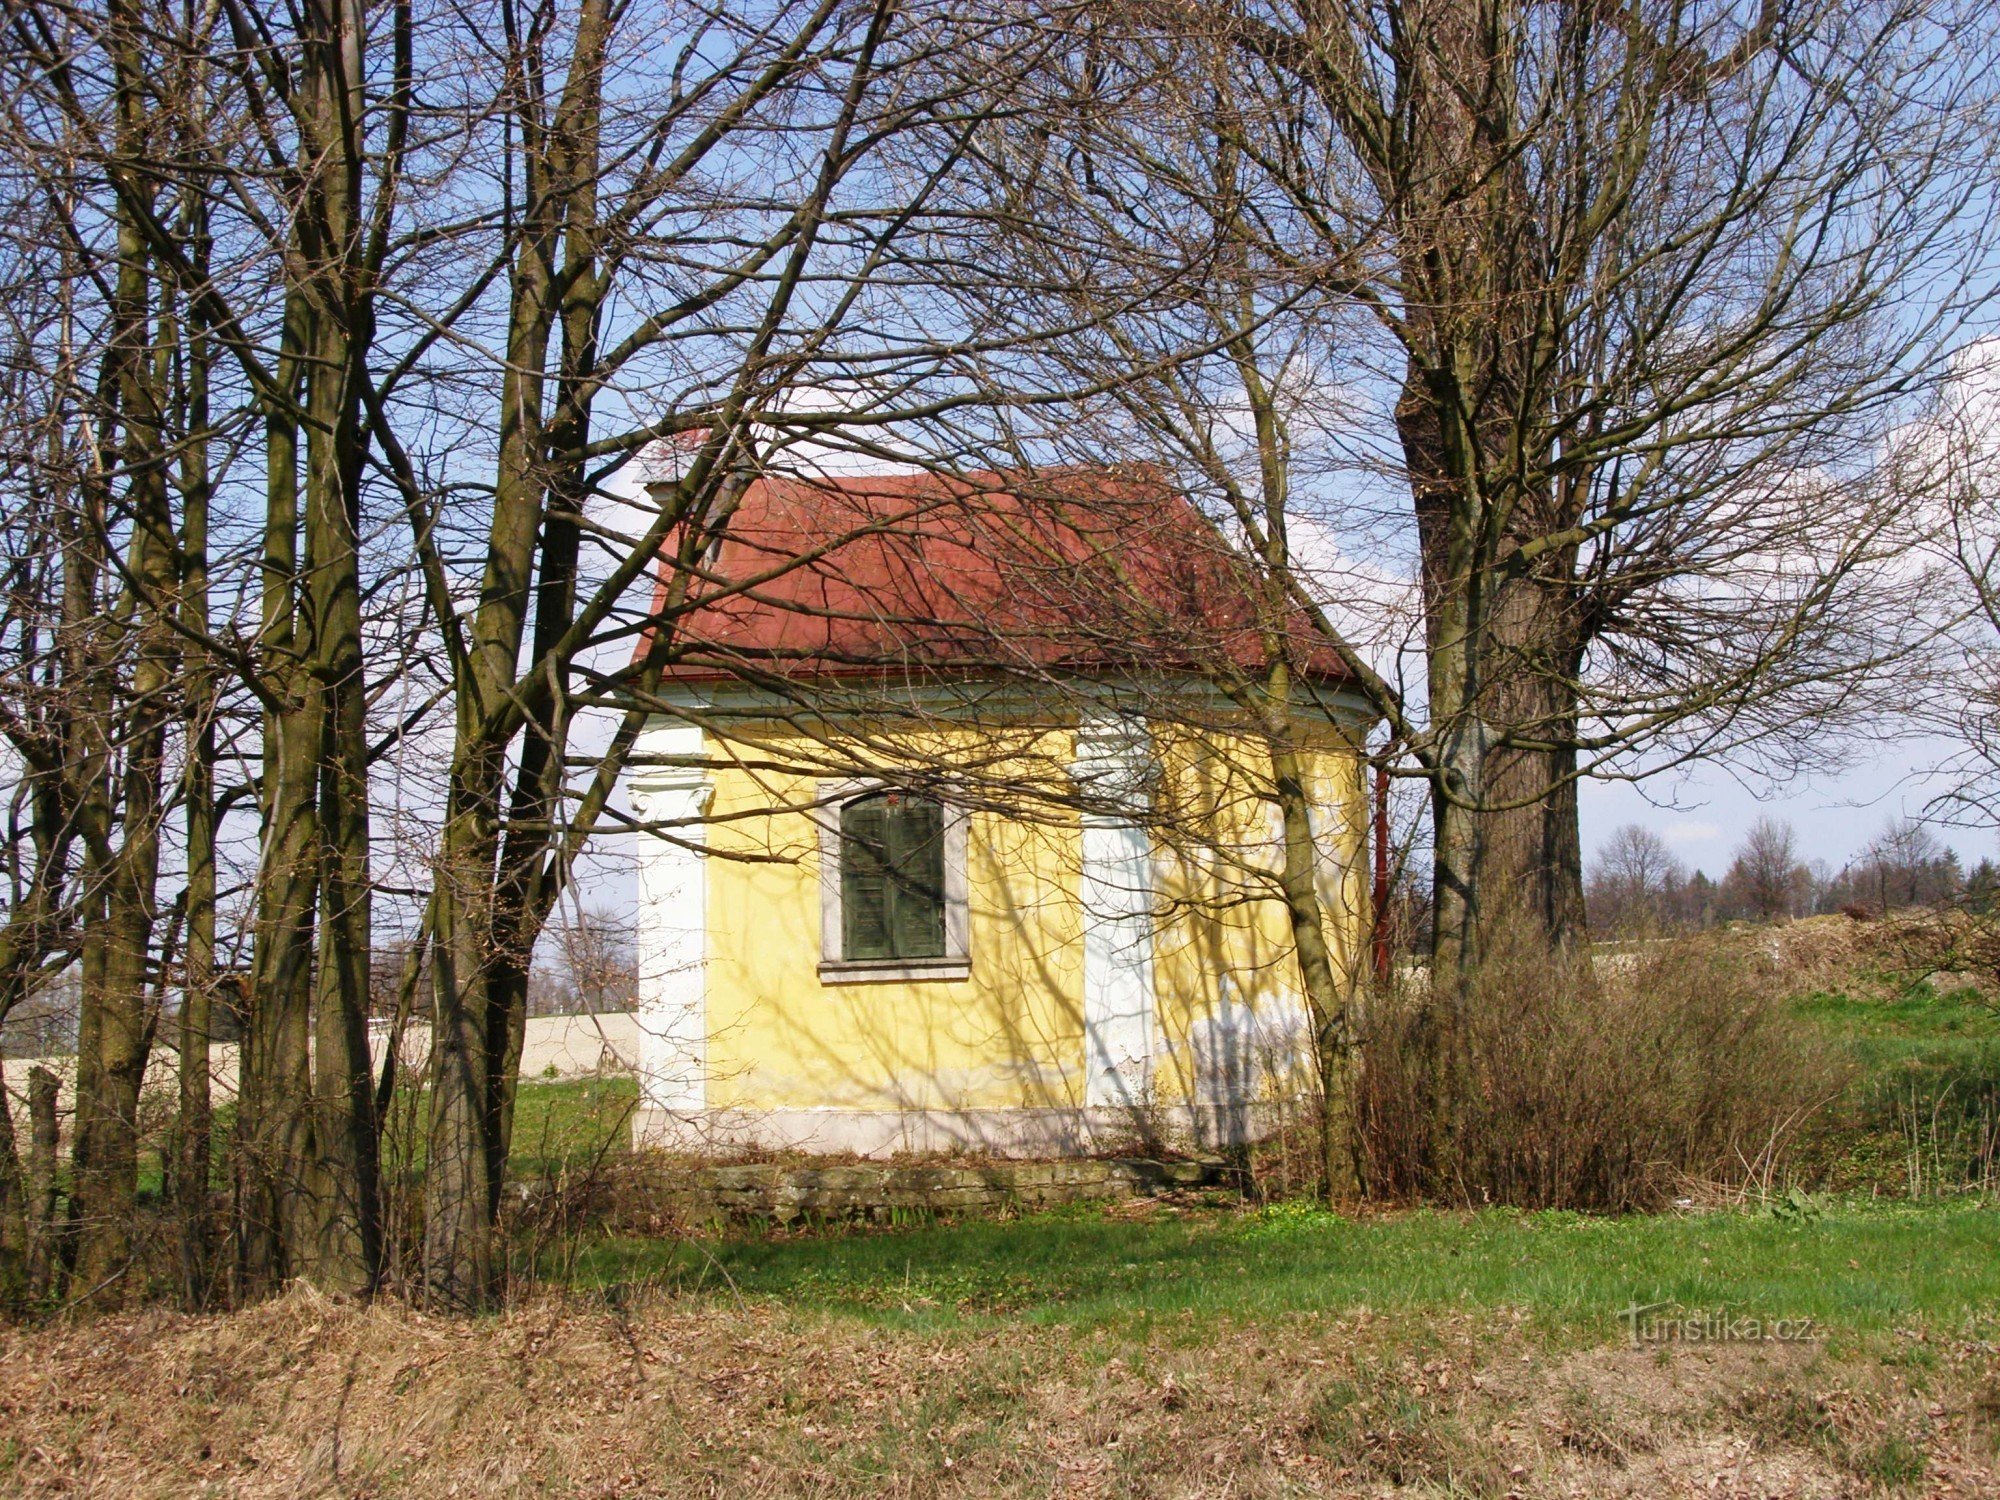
<point>671,794</point>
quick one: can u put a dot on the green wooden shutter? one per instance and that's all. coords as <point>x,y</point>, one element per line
<point>864,881</point>
<point>916,854</point>
<point>892,878</point>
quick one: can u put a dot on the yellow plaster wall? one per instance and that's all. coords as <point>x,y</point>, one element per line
<point>1011,1035</point>
<point>1223,940</point>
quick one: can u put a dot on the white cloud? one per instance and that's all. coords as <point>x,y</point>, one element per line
<point>1689,832</point>
<point>1377,609</point>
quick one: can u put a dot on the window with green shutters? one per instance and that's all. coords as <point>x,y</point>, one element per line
<point>892,895</point>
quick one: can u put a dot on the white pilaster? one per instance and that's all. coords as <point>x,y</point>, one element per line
<point>672,998</point>
<point>1113,762</point>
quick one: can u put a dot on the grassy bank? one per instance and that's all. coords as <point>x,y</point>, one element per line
<point>1182,1349</point>
<point>1853,1266</point>
<point>1260,1354</point>
<point>1922,1115</point>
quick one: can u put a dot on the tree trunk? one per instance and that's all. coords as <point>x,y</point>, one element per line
<point>462,1185</point>
<point>1503,659</point>
<point>272,1139</point>
<point>277,1007</point>
<point>43,1140</point>
<point>16,1231</point>
<point>523,894</point>
<point>1508,863</point>
<point>345,1219</point>
<point>312,1147</point>
<point>111,1068</point>
<point>484,927</point>
<point>192,1141</point>
<point>1328,992</point>
<point>107,1104</point>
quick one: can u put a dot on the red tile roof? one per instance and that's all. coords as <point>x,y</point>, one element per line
<point>915,575</point>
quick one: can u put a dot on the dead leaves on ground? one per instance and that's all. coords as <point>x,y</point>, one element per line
<point>571,1397</point>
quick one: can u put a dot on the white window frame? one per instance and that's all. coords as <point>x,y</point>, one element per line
<point>834,965</point>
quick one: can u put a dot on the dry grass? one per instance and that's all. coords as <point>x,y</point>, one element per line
<point>559,1397</point>
<point>1872,959</point>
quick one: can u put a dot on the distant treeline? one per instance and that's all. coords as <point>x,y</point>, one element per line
<point>1637,887</point>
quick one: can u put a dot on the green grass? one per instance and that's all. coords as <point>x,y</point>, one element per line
<point>1854,1267</point>
<point>1915,1018</point>
<point>571,1124</point>
<point>1923,1114</point>
<point>1913,1013</point>
<point>556,1125</point>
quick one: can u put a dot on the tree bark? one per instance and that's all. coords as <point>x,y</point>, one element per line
<point>111,1063</point>
<point>311,1144</point>
<point>43,1140</point>
<point>484,931</point>
<point>272,1141</point>
<point>16,1231</point>
<point>1329,993</point>
<point>1503,657</point>
<point>191,1174</point>
<point>339,1231</point>
<point>193,1136</point>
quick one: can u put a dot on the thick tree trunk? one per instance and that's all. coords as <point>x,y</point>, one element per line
<point>43,1140</point>
<point>274,1134</point>
<point>523,893</point>
<point>1507,858</point>
<point>107,1104</point>
<point>462,1182</point>
<point>344,1227</point>
<point>25,939</point>
<point>460,1265</point>
<point>466,1160</point>
<point>344,1234</point>
<point>16,1233</point>
<point>311,1142</point>
<point>1503,653</point>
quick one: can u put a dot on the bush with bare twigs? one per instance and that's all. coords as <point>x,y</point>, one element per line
<point>1547,1085</point>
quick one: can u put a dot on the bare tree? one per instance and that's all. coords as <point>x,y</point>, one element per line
<point>1906,865</point>
<point>1633,884</point>
<point>1580,326</point>
<point>1766,880</point>
<point>1593,321</point>
<point>621,209</point>
<point>587,966</point>
<point>1958,699</point>
<point>357,387</point>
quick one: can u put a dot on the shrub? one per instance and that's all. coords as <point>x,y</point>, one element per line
<point>1551,1084</point>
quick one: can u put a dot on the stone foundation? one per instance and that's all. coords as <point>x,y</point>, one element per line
<point>882,1194</point>
<point>1025,1133</point>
